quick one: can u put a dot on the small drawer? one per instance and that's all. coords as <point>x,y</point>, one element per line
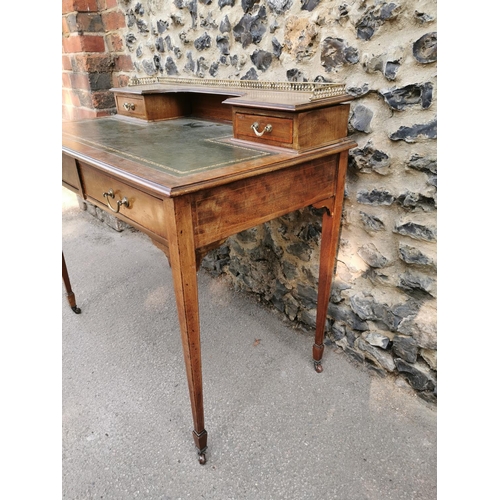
<point>130,105</point>
<point>127,202</point>
<point>263,128</point>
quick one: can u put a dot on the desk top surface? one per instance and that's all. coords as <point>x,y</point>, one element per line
<point>174,157</point>
<point>180,147</point>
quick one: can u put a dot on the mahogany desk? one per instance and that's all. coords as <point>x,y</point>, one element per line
<point>191,164</point>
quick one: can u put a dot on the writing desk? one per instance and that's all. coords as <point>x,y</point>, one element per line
<point>191,164</point>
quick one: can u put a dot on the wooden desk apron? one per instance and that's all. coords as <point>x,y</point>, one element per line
<point>188,184</point>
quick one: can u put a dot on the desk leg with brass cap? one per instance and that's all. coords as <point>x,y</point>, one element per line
<point>180,233</point>
<point>330,234</point>
<point>69,292</point>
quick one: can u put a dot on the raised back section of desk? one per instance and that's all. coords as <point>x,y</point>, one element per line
<point>295,116</point>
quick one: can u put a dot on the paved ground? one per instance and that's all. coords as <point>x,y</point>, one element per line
<point>276,428</point>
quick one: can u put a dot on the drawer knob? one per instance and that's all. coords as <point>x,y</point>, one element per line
<point>129,106</point>
<point>255,128</point>
<point>119,203</point>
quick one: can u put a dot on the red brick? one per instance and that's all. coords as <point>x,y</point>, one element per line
<point>120,80</point>
<point>93,63</point>
<point>66,80</point>
<point>66,63</point>
<point>83,43</point>
<point>114,42</point>
<point>70,98</point>
<point>65,27</point>
<point>113,20</point>
<point>79,6</point>
<point>124,63</point>
<point>80,81</point>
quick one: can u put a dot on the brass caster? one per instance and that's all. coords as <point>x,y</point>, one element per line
<point>202,459</point>
<point>76,310</point>
<point>318,367</point>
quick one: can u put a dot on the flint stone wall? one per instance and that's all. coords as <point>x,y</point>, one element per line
<point>382,310</point>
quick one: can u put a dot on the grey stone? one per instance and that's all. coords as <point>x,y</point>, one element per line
<point>409,95</point>
<point>160,44</point>
<point>358,91</point>
<point>416,133</point>
<point>279,6</point>
<point>377,339</point>
<point>372,222</point>
<point>214,68</point>
<point>366,307</point>
<point>414,256</point>
<point>201,67</point>
<point>417,201</point>
<point>375,197</point>
<point>421,326</point>
<point>139,9</point>
<point>416,231</point>
<point>161,26</point>
<point>307,295</point>
<point>375,17</point>
<point>223,44</point>
<point>191,6</point>
<point>190,65</point>
<point>142,26</point>
<point>356,356</point>
<point>225,25</point>
<point>344,313</point>
<point>251,29</point>
<point>425,48</point>
<point>247,5</point>
<point>248,236</point>
<point>380,357</point>
<point>251,74</point>
<point>208,21</point>
<point>413,281</point>
<point>300,250</point>
<point>203,42</point>
<point>130,40</point>
<point>369,159</point>
<point>372,256</point>
<point>309,5</point>
<point>430,357</point>
<point>405,348</point>
<point>130,19</point>
<point>361,118</point>
<point>149,67</point>
<point>423,17</point>
<point>335,52</point>
<point>224,3</point>
<point>277,47</point>
<point>289,270</point>
<point>418,377</point>
<point>262,59</point>
<point>422,164</point>
<point>295,75</point>
<point>391,69</point>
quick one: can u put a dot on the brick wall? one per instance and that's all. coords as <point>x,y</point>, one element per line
<point>92,57</point>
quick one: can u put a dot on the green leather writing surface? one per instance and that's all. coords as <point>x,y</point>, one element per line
<point>180,147</point>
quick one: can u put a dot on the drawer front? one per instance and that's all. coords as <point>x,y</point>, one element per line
<point>265,129</point>
<point>143,209</point>
<point>130,105</point>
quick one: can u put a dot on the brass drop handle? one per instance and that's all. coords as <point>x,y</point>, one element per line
<point>129,106</point>
<point>119,203</point>
<point>255,126</point>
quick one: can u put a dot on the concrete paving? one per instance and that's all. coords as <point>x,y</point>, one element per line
<point>276,428</point>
